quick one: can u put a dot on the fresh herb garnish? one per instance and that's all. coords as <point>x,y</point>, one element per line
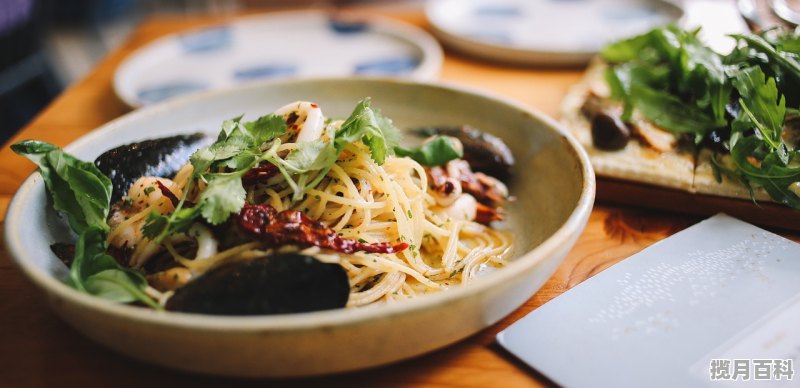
<point>435,152</point>
<point>78,189</point>
<point>82,193</point>
<point>676,82</point>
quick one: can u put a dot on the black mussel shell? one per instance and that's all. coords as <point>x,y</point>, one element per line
<point>277,284</point>
<point>161,157</point>
<point>484,152</point>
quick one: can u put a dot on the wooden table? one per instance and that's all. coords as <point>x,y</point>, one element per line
<point>38,349</point>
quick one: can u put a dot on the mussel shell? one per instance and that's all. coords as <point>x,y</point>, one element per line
<point>277,284</point>
<point>484,152</point>
<point>161,157</point>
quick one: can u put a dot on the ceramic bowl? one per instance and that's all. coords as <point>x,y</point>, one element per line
<point>553,184</point>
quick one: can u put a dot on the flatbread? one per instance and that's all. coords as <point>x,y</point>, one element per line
<point>706,183</point>
<point>635,162</point>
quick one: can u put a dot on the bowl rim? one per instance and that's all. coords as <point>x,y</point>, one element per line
<point>428,69</point>
<point>310,320</point>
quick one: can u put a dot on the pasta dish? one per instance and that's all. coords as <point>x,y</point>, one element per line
<point>296,186</point>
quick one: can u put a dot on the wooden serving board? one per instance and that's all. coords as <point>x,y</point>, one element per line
<point>637,194</point>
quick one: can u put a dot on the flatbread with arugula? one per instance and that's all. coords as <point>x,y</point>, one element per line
<point>662,108</point>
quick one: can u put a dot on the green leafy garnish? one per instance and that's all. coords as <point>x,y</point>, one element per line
<point>669,77</point>
<point>436,152</point>
<point>372,128</point>
<point>237,150</point>
<point>78,189</point>
<point>82,193</point>
<point>95,272</point>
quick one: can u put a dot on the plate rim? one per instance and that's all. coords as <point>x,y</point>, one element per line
<point>429,68</point>
<point>516,55</point>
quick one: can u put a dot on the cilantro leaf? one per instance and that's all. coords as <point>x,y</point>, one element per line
<point>266,128</point>
<point>224,196</point>
<point>310,156</point>
<point>372,128</point>
<point>435,152</point>
<point>158,226</point>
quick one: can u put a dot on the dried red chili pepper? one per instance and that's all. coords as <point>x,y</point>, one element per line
<point>293,227</point>
<point>263,171</point>
<point>165,191</point>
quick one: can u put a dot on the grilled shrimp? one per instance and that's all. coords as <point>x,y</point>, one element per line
<point>128,216</point>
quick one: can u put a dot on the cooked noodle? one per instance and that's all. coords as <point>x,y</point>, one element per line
<point>368,202</point>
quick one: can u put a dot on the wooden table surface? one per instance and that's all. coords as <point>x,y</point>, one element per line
<point>38,349</point>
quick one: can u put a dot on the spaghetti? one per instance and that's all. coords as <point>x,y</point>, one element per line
<point>431,236</point>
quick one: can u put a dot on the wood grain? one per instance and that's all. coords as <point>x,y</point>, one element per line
<point>40,350</point>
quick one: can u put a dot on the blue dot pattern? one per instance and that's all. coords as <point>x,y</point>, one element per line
<point>387,66</point>
<point>205,41</point>
<point>264,71</point>
<point>342,27</point>
<point>157,93</point>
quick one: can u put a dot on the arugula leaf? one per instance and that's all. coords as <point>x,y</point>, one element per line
<point>785,61</point>
<point>437,151</point>
<point>764,109</point>
<point>669,112</point>
<point>628,49</point>
<point>78,189</point>
<point>771,175</point>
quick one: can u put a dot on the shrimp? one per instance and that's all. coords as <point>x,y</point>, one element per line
<point>305,119</point>
<point>128,216</point>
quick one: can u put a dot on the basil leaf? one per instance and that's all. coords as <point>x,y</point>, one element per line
<point>78,189</point>
<point>94,272</point>
<point>435,152</point>
<point>121,286</point>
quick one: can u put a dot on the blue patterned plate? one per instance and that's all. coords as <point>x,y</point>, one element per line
<point>550,32</point>
<point>277,45</point>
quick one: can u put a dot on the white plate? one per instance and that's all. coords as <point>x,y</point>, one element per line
<point>548,32</point>
<point>554,186</point>
<point>277,45</point>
